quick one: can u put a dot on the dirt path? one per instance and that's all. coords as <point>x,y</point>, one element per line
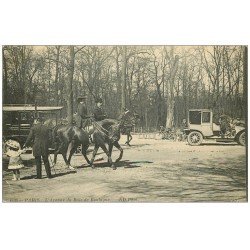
<point>150,171</point>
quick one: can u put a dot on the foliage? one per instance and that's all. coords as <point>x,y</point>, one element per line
<point>160,82</point>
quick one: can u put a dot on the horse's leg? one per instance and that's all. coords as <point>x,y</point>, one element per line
<point>84,152</point>
<point>110,148</point>
<point>127,142</point>
<point>109,156</point>
<point>117,145</point>
<point>72,150</point>
<point>58,150</point>
<point>93,156</point>
<point>63,149</point>
<point>55,153</point>
<point>64,153</point>
<point>129,138</point>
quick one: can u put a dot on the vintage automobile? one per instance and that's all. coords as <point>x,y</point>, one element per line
<point>18,119</point>
<point>201,126</point>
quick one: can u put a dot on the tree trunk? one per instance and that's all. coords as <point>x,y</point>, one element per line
<point>49,75</point>
<point>159,107</point>
<point>57,74</point>
<point>124,68</point>
<point>170,99</point>
<point>23,72</point>
<point>118,76</point>
<point>170,113</point>
<point>245,56</point>
<point>70,86</point>
<point>5,79</point>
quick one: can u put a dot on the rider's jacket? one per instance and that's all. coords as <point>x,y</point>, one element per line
<point>81,116</point>
<point>99,114</point>
<point>82,110</point>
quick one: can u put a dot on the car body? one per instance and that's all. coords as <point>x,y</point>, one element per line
<point>18,119</point>
<point>201,126</point>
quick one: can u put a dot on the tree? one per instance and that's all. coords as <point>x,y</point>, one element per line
<point>70,84</point>
<point>124,69</point>
<point>173,67</point>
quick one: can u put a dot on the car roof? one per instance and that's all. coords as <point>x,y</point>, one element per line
<point>15,108</point>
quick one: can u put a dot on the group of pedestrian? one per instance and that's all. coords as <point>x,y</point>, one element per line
<point>40,136</point>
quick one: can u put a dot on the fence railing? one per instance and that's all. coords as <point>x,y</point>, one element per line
<point>166,134</point>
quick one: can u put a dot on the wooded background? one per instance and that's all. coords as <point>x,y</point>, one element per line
<point>159,82</point>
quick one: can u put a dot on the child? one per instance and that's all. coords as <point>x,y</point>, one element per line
<point>14,151</point>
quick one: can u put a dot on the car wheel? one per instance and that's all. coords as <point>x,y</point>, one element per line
<point>195,138</point>
<point>242,139</point>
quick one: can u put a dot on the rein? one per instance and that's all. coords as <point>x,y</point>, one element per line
<point>100,128</point>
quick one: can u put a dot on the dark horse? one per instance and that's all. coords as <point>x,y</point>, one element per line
<point>106,131</point>
<point>127,131</point>
<point>63,136</point>
<point>128,124</point>
<point>109,131</point>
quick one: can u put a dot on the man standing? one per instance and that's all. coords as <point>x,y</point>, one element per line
<point>40,135</point>
<point>82,112</point>
<point>99,113</point>
<point>225,126</point>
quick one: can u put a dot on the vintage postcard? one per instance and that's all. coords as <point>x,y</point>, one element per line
<point>124,123</point>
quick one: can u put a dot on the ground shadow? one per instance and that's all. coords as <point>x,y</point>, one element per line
<point>120,164</point>
<point>45,177</point>
<point>135,146</point>
<point>219,144</point>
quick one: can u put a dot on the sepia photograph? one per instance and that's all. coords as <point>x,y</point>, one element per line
<point>124,123</point>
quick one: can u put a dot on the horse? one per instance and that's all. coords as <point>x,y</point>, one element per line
<point>128,125</point>
<point>65,134</point>
<point>109,131</point>
<point>126,130</point>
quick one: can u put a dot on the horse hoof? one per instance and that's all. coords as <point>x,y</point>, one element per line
<point>114,167</point>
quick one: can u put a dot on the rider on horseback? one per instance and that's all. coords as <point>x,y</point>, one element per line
<point>99,113</point>
<point>82,112</point>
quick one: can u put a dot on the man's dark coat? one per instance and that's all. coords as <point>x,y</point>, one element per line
<point>40,134</point>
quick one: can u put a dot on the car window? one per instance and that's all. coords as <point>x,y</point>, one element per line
<point>195,117</point>
<point>206,117</point>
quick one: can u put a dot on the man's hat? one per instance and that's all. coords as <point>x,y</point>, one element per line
<point>98,100</point>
